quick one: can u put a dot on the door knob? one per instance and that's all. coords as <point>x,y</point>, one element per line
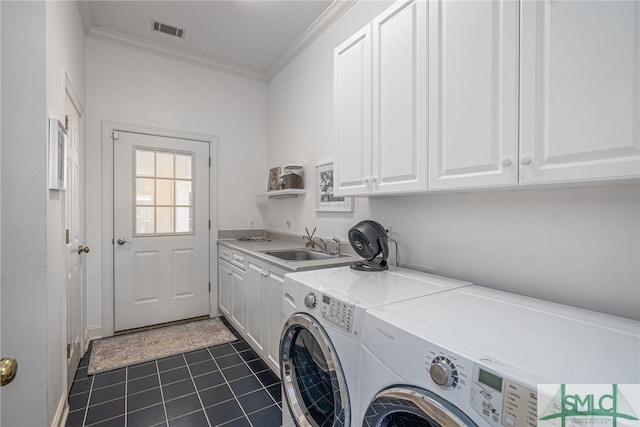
<point>122,241</point>
<point>84,249</point>
<point>8,370</point>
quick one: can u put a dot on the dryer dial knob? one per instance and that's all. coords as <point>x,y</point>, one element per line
<point>443,372</point>
<point>310,300</point>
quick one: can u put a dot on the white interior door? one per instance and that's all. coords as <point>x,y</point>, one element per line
<point>75,252</point>
<point>161,229</point>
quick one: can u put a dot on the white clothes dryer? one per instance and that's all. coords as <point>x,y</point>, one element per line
<point>321,341</point>
<point>474,357</point>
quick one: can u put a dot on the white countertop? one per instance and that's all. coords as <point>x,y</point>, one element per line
<point>255,248</point>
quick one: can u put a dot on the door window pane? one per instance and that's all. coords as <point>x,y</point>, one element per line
<point>183,193</point>
<point>164,202</point>
<point>164,164</point>
<point>164,222</point>
<point>183,220</point>
<point>145,220</point>
<point>145,191</point>
<point>145,163</point>
<point>183,166</point>
<point>165,191</point>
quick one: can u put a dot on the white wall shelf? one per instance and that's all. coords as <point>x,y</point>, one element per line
<point>277,194</point>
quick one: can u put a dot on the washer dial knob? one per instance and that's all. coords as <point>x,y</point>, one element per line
<point>310,300</point>
<point>443,372</point>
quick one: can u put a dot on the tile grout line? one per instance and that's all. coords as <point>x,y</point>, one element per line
<point>126,398</point>
<point>196,388</point>
<point>86,409</point>
<point>255,374</point>
<point>164,406</point>
<point>229,385</point>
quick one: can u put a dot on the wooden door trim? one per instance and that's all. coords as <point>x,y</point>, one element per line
<point>107,327</point>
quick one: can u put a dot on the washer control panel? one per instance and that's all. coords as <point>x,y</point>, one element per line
<point>443,372</point>
<point>502,402</point>
<point>337,312</point>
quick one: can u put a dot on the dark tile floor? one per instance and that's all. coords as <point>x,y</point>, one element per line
<point>226,385</point>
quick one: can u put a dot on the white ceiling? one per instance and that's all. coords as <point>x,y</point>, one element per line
<point>251,37</point>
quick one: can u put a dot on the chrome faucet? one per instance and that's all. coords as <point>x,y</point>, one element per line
<point>337,252</point>
<point>312,242</point>
<point>321,243</point>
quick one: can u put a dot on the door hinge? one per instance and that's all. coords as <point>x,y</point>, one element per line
<point>209,161</point>
<point>115,134</point>
<point>66,122</point>
<point>66,236</point>
<point>209,287</point>
<point>68,351</point>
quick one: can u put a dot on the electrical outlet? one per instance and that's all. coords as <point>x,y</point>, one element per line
<point>252,223</point>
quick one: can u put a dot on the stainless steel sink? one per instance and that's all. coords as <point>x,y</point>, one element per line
<point>301,255</point>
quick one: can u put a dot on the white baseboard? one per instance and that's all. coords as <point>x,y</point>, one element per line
<point>94,332</point>
<point>62,412</point>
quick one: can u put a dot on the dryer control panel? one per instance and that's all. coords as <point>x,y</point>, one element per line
<point>502,402</point>
<point>337,312</point>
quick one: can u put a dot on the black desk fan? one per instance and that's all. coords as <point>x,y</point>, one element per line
<point>369,239</point>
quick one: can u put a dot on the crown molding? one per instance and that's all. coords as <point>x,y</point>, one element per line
<point>121,39</point>
<point>85,15</point>
<point>319,26</point>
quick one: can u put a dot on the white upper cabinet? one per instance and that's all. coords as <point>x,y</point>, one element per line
<point>442,95</point>
<point>473,94</point>
<point>580,91</point>
<point>352,114</point>
<point>400,99</point>
<point>380,92</point>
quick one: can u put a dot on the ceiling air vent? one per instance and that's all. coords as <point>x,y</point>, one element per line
<point>167,29</point>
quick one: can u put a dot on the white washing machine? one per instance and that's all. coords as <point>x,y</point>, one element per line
<point>321,340</point>
<point>474,357</point>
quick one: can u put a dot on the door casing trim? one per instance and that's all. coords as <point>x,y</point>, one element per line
<point>108,312</point>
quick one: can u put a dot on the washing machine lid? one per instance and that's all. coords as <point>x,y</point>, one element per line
<point>573,344</point>
<point>372,289</point>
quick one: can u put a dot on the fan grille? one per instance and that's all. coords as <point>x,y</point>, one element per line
<point>360,235</point>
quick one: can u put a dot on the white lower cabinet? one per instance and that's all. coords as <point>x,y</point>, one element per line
<point>252,301</point>
<point>225,271</point>
<point>274,321</point>
<point>264,308</point>
<point>231,287</point>
<point>256,278</point>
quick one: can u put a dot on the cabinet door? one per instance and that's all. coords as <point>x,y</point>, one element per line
<point>352,114</point>
<point>473,94</point>
<point>255,283</point>
<point>225,272</point>
<point>274,321</point>
<point>238,299</point>
<point>400,99</point>
<point>580,91</point>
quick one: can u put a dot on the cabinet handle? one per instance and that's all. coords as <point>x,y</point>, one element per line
<point>374,179</point>
<point>525,160</point>
<point>506,162</point>
<point>366,179</point>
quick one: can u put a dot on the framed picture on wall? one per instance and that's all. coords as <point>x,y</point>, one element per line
<point>57,155</point>
<point>326,201</point>
<point>274,173</point>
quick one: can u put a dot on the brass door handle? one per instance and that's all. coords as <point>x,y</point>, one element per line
<point>8,370</point>
<point>84,249</point>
